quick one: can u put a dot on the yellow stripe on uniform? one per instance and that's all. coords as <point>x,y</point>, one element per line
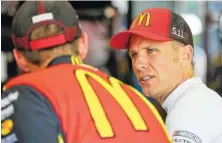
<point>76,60</point>
<point>154,110</point>
<point>60,138</point>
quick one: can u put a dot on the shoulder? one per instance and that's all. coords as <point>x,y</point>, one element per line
<point>21,95</point>
<point>15,82</point>
<point>198,112</point>
<point>24,99</point>
<point>25,109</point>
<point>19,90</point>
<point>200,97</point>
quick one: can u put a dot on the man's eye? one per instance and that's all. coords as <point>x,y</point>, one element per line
<point>151,51</point>
<point>132,55</point>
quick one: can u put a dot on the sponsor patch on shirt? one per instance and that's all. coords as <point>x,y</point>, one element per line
<point>9,99</point>
<point>7,107</point>
<point>181,141</point>
<point>7,127</point>
<point>180,136</point>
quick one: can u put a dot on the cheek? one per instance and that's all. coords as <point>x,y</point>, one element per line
<point>164,66</point>
<point>166,72</point>
<point>134,69</point>
<point>133,65</point>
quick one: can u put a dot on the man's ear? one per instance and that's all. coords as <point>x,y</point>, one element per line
<point>21,61</point>
<point>83,45</point>
<point>187,54</point>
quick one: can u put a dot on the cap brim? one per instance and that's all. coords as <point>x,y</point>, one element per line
<point>120,40</point>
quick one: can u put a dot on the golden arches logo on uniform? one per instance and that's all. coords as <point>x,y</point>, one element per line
<point>140,18</point>
<point>7,127</point>
<point>97,112</point>
<point>76,60</point>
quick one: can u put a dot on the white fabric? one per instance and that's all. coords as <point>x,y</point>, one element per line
<point>4,67</point>
<point>42,17</point>
<point>194,113</point>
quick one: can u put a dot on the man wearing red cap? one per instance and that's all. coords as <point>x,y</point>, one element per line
<point>160,45</point>
<point>58,99</point>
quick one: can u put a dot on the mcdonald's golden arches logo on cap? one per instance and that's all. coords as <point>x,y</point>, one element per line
<point>139,19</point>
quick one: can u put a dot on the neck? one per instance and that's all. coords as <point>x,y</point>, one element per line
<point>46,62</point>
<point>187,75</point>
<point>75,59</point>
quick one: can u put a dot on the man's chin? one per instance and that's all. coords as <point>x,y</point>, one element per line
<point>150,92</point>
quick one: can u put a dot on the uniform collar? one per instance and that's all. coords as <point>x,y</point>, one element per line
<point>65,59</point>
<point>171,100</point>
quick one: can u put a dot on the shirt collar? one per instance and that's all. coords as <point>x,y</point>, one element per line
<point>171,100</point>
<point>65,59</point>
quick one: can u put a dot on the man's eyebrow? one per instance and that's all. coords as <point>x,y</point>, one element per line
<point>129,52</point>
<point>147,47</point>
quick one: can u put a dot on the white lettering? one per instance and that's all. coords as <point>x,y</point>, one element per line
<point>177,32</point>
<point>7,112</point>
<point>191,136</point>
<point>174,31</point>
<point>10,98</point>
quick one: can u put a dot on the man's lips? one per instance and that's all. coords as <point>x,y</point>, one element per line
<point>146,78</point>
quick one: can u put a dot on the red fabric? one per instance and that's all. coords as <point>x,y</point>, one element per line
<point>20,42</point>
<point>48,42</point>
<point>157,28</point>
<point>64,92</point>
<point>40,7</point>
<point>69,33</point>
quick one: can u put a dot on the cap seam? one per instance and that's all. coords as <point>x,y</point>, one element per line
<point>152,32</point>
<point>170,20</point>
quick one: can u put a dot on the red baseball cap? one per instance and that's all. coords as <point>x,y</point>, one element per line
<point>158,24</point>
<point>33,14</point>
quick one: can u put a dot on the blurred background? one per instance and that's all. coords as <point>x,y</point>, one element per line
<point>102,19</point>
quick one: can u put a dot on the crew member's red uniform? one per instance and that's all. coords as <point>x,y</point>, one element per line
<point>91,107</point>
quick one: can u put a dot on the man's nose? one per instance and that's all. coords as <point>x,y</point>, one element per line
<point>140,63</point>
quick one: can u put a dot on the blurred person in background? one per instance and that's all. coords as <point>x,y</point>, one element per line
<point>98,52</point>
<point>59,99</point>
<point>160,44</point>
<point>200,63</point>
<point>99,27</point>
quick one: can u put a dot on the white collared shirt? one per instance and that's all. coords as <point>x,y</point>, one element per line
<point>194,113</point>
